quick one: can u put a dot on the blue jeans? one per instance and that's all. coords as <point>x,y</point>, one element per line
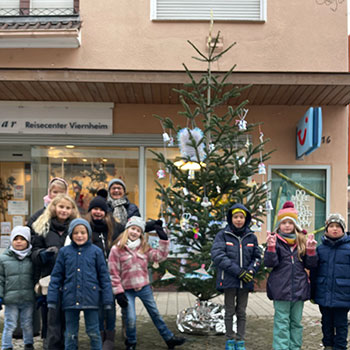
<point>334,327</point>
<point>25,312</point>
<point>146,296</point>
<point>91,326</point>
<point>107,318</point>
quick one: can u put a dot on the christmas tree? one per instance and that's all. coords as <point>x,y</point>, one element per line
<point>216,169</point>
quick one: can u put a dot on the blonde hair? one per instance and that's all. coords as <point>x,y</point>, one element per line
<point>122,240</point>
<point>301,244</point>
<point>42,225</point>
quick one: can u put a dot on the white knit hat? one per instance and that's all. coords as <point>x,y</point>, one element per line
<point>136,221</point>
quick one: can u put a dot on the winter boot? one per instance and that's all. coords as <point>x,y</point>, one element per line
<point>230,344</point>
<point>240,345</point>
<point>28,347</point>
<point>175,341</point>
<point>103,336</point>
<point>108,344</point>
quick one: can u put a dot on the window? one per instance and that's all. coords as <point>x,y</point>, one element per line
<point>9,7</point>
<point>52,7</point>
<point>223,10</point>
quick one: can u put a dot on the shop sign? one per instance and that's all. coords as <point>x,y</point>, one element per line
<point>309,132</point>
<point>56,118</point>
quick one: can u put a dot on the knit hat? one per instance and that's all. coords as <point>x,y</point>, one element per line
<point>239,210</point>
<point>76,222</point>
<point>116,181</point>
<point>288,212</point>
<point>335,218</point>
<point>23,231</point>
<point>136,221</point>
<point>98,202</point>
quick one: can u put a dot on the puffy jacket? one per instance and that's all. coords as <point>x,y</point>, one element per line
<point>231,252</point>
<point>81,274</point>
<point>288,280</point>
<point>331,279</point>
<point>16,278</point>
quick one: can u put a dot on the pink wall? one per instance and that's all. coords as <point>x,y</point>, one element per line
<point>297,36</point>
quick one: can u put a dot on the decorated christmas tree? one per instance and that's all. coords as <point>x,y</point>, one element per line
<point>219,166</point>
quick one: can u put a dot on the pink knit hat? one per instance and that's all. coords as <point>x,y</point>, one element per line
<point>288,212</point>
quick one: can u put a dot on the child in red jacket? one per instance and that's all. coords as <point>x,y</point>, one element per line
<point>128,266</point>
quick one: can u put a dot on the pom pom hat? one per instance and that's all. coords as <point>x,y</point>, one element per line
<point>335,218</point>
<point>288,212</point>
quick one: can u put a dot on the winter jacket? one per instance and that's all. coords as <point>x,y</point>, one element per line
<point>100,234</point>
<point>81,274</point>
<point>330,280</point>
<point>129,268</point>
<point>41,242</point>
<point>233,251</point>
<point>288,280</point>
<point>16,278</point>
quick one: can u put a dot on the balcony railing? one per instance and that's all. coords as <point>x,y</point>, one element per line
<point>57,12</point>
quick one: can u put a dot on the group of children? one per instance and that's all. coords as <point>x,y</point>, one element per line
<point>299,272</point>
<point>94,261</point>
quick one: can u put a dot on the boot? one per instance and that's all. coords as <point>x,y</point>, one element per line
<point>28,347</point>
<point>230,344</point>
<point>175,341</point>
<point>108,344</point>
<point>103,336</point>
<point>240,345</point>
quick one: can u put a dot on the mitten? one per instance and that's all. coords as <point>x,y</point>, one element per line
<point>271,241</point>
<point>311,244</point>
<point>122,300</point>
<point>160,232</point>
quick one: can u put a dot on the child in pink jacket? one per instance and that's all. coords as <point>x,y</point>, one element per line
<point>128,266</point>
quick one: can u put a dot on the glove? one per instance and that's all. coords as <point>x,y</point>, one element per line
<point>311,243</point>
<point>245,276</point>
<point>312,301</point>
<point>271,240</point>
<point>122,300</point>
<point>1,301</point>
<point>40,301</point>
<point>160,232</point>
<point>150,225</point>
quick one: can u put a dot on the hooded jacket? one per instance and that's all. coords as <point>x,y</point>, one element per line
<point>331,279</point>
<point>233,250</point>
<point>81,274</point>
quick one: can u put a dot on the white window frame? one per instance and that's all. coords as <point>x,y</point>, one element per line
<point>219,9</point>
<point>51,4</point>
<point>9,4</point>
<point>309,167</point>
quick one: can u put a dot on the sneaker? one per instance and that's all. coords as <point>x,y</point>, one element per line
<point>28,347</point>
<point>175,341</point>
<point>130,347</point>
<point>230,344</point>
<point>240,345</point>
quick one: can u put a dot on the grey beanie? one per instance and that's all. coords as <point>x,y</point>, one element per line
<point>23,231</point>
<point>335,218</point>
<point>136,221</point>
<point>76,222</point>
<point>116,181</point>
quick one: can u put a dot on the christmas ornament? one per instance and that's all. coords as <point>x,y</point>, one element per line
<point>205,203</point>
<point>241,161</point>
<point>196,231</point>
<point>252,183</point>
<point>247,144</point>
<point>261,209</point>
<point>268,205</point>
<point>166,137</point>
<point>185,191</point>
<point>167,276</point>
<point>211,147</point>
<point>262,169</point>
<point>234,177</point>
<point>218,189</point>
<point>155,265</point>
<point>171,142</point>
<point>161,174</point>
<point>242,124</point>
<point>185,221</point>
<point>191,175</point>
<point>182,269</point>
<point>203,272</point>
<point>186,137</point>
<point>264,186</point>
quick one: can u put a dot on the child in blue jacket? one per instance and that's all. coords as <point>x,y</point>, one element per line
<point>330,283</point>
<point>237,256</point>
<point>81,273</point>
<point>289,253</point>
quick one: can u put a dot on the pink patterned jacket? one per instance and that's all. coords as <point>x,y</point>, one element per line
<point>129,268</point>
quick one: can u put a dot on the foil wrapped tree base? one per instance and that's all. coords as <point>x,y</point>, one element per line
<point>205,318</point>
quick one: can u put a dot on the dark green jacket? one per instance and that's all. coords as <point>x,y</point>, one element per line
<point>16,279</point>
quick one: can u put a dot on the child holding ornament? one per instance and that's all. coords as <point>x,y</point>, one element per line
<point>128,266</point>
<point>289,252</point>
<point>331,291</point>
<point>237,256</point>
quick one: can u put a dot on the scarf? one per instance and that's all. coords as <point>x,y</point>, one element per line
<point>289,237</point>
<point>133,244</point>
<point>119,210</point>
<point>22,254</point>
<point>59,227</point>
<point>99,226</point>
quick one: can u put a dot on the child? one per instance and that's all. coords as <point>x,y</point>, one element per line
<point>237,256</point>
<point>56,186</point>
<point>128,266</point>
<point>17,288</point>
<point>105,231</point>
<point>51,229</point>
<point>81,273</point>
<point>289,253</point>
<point>331,283</point>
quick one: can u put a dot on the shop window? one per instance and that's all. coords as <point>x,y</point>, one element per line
<point>307,188</point>
<point>86,169</point>
<point>52,7</point>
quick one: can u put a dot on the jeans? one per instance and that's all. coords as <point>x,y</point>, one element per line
<point>236,301</point>
<point>287,328</point>
<point>91,326</point>
<point>107,318</point>
<point>334,327</point>
<point>54,339</point>
<point>146,296</point>
<point>25,312</point>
